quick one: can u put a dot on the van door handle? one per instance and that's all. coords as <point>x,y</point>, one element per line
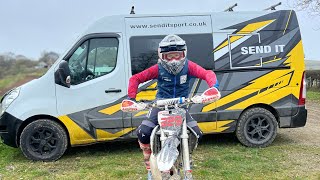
<point>113,91</point>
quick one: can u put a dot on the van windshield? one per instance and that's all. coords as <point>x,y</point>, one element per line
<point>78,54</point>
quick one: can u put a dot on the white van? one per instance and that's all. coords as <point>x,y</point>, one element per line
<point>257,56</point>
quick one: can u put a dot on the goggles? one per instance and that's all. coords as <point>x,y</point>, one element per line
<point>172,48</point>
<point>175,55</point>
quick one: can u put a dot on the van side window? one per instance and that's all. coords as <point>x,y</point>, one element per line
<point>144,51</point>
<point>94,58</point>
<point>77,63</point>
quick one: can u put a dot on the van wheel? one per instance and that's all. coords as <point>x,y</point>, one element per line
<point>257,127</point>
<point>43,140</point>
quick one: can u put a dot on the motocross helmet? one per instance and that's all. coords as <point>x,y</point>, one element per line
<point>172,53</point>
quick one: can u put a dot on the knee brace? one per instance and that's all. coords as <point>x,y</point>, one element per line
<point>144,133</point>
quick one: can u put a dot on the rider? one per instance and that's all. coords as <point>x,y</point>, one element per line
<point>173,72</point>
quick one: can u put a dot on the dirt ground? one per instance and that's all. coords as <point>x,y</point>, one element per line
<point>310,133</point>
<point>304,158</point>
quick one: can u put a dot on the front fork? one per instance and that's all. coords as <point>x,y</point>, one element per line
<point>185,148</point>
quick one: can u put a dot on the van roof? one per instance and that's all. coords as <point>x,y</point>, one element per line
<point>111,23</point>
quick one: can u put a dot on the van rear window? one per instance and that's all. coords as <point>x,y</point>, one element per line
<point>144,51</point>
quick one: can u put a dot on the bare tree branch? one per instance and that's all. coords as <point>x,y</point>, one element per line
<point>311,6</point>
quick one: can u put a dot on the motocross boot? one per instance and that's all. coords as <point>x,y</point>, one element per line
<point>191,161</point>
<point>165,175</point>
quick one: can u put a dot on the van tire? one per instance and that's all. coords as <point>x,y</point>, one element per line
<point>257,127</point>
<point>43,140</point>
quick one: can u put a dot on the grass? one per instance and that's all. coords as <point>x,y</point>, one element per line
<point>313,95</point>
<point>11,80</point>
<point>217,157</point>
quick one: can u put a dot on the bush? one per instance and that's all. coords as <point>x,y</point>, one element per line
<point>313,80</point>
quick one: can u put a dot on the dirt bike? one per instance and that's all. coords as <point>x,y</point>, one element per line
<point>172,141</point>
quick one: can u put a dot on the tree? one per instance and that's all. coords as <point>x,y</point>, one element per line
<point>311,6</point>
<point>7,61</point>
<point>11,64</point>
<point>48,57</point>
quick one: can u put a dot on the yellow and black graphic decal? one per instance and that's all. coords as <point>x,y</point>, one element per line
<point>247,29</point>
<point>271,78</point>
<point>216,127</point>
<point>260,42</point>
<point>106,122</point>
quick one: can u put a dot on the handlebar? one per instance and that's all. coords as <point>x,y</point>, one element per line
<point>210,95</point>
<point>172,101</point>
<point>164,103</point>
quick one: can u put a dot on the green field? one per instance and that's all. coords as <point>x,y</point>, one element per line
<point>11,81</point>
<point>313,95</point>
<point>217,157</point>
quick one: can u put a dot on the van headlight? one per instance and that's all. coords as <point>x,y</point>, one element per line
<point>8,99</point>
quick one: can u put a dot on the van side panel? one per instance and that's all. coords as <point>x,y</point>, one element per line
<point>259,61</point>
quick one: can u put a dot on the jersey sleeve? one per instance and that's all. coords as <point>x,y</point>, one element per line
<point>135,80</point>
<point>199,72</point>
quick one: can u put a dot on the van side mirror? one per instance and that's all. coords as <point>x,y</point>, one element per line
<point>62,76</point>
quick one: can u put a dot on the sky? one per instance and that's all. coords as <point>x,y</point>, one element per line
<point>29,27</point>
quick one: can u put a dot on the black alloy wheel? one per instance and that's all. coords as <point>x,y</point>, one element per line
<point>43,140</point>
<point>257,127</point>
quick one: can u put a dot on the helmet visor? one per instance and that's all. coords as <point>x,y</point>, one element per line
<point>173,55</point>
<point>172,48</point>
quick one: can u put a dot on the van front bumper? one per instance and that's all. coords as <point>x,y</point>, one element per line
<point>9,126</point>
